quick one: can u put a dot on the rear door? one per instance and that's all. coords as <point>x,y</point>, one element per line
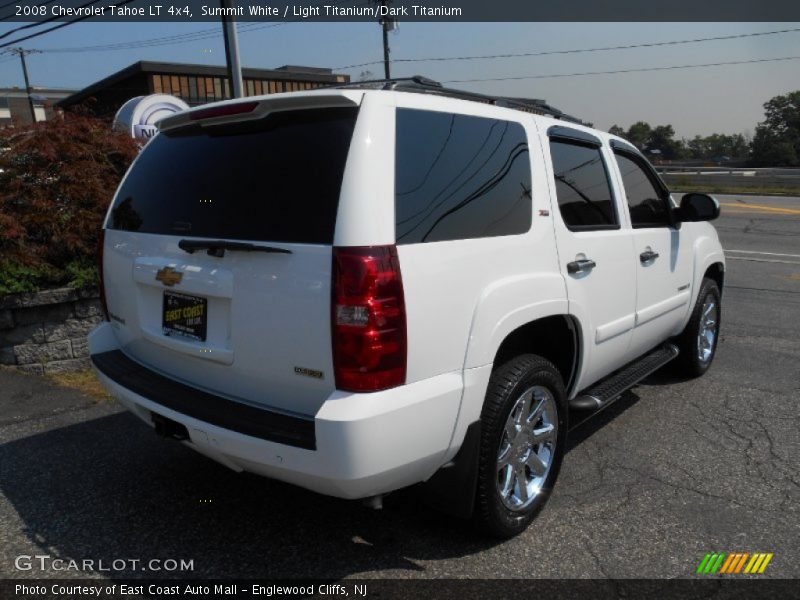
<point>595,250</point>
<point>252,324</point>
<point>663,253</point>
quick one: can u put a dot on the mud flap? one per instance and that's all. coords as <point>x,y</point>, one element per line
<point>452,488</point>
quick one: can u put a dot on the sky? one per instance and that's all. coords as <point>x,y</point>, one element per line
<point>696,101</point>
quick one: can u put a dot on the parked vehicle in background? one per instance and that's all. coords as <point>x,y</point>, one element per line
<point>361,289</point>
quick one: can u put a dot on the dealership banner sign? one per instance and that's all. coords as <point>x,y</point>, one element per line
<point>140,116</point>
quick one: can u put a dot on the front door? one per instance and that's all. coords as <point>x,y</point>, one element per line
<point>663,254</point>
<point>595,252</point>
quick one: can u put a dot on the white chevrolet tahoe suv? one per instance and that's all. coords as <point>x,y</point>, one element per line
<point>360,289</point>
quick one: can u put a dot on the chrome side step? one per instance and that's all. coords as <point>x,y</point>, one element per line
<point>612,387</point>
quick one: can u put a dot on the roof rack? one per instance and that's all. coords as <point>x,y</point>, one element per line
<point>423,85</point>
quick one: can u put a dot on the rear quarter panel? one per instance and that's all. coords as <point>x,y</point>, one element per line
<point>463,296</point>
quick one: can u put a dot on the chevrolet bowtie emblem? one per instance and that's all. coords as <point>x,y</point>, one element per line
<point>169,276</point>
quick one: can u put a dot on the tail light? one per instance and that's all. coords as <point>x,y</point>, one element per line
<point>101,242</point>
<point>226,110</point>
<point>368,319</point>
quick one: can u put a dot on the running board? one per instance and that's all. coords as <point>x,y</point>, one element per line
<point>612,387</point>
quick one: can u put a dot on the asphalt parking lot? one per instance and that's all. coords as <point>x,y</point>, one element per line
<point>674,470</point>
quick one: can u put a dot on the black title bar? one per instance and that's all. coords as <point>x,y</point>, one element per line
<point>441,589</point>
<point>406,10</point>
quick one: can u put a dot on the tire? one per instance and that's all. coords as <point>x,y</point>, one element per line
<point>509,452</point>
<point>698,342</point>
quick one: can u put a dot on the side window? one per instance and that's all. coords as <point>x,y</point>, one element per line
<point>645,201</point>
<point>459,177</point>
<point>582,188</point>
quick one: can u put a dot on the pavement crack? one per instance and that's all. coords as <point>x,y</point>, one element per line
<point>596,558</point>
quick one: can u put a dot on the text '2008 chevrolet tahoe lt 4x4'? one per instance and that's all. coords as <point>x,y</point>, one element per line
<point>364,288</point>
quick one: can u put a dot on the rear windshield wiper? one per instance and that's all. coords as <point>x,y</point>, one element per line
<point>217,247</point>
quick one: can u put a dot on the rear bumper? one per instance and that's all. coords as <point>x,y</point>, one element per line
<point>357,445</point>
<point>213,409</point>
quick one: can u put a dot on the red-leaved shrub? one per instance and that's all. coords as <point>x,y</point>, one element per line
<point>56,181</point>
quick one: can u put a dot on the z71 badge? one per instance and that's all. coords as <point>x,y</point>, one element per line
<point>309,372</point>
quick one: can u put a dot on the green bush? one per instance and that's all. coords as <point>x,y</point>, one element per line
<point>82,274</point>
<point>16,278</point>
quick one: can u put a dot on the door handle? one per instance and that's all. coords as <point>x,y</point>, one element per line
<point>647,256</point>
<point>581,266</point>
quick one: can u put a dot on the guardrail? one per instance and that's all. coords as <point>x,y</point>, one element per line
<point>753,180</point>
<point>786,172</point>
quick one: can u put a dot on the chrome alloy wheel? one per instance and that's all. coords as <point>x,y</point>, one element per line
<point>527,448</point>
<point>707,330</point>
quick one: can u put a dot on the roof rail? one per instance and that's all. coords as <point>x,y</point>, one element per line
<point>423,85</point>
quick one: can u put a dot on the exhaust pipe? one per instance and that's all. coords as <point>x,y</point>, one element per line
<point>374,502</point>
<point>168,428</point>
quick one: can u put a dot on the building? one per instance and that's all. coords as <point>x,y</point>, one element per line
<point>194,84</point>
<point>14,107</point>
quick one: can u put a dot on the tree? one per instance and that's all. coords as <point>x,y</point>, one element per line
<point>718,145</point>
<point>777,138</point>
<point>639,134</point>
<point>617,130</point>
<point>658,140</point>
<point>661,139</point>
<point>770,150</point>
<point>697,147</point>
<point>56,181</point>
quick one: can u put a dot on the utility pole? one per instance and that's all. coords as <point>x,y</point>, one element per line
<point>387,24</point>
<point>21,52</point>
<point>232,49</point>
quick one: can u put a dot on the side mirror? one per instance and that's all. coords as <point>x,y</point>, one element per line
<point>698,207</point>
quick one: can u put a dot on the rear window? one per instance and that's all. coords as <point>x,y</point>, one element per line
<point>274,180</point>
<point>459,177</point>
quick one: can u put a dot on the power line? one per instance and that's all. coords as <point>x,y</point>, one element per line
<point>640,70</point>
<point>153,42</point>
<point>160,41</point>
<point>7,4</point>
<point>42,22</point>
<point>179,38</point>
<point>10,15</point>
<point>575,51</point>
<point>174,39</point>
<point>59,26</point>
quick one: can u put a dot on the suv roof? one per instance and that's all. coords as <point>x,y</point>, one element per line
<point>422,85</point>
<point>348,94</point>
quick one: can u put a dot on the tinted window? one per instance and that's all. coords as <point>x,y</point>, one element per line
<point>274,180</point>
<point>460,177</point>
<point>582,189</point>
<point>645,202</point>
